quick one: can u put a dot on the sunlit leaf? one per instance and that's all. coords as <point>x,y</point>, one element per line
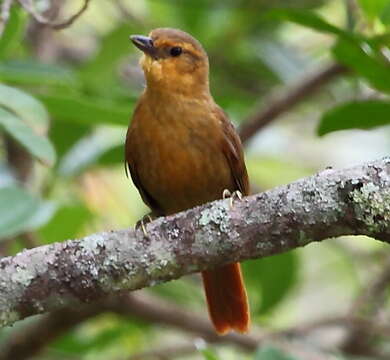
<point>209,354</point>
<point>373,8</point>
<point>355,115</point>
<point>13,31</point>
<point>38,145</point>
<point>365,61</point>
<point>273,277</point>
<point>16,209</point>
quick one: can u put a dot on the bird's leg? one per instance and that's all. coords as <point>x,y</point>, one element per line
<point>146,219</point>
<point>232,196</point>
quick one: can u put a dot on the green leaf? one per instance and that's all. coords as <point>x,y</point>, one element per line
<point>273,277</point>
<point>271,353</point>
<point>373,8</point>
<point>66,224</point>
<point>13,31</point>
<point>365,61</point>
<point>16,209</point>
<point>87,111</point>
<point>33,73</point>
<point>355,115</point>
<point>385,15</point>
<point>39,146</point>
<point>308,19</point>
<point>113,156</point>
<point>65,135</point>
<point>208,354</point>
<point>29,109</point>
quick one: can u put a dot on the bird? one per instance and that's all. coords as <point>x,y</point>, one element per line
<point>182,151</point>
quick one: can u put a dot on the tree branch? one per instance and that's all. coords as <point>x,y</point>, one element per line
<point>30,8</point>
<point>278,106</point>
<point>328,204</point>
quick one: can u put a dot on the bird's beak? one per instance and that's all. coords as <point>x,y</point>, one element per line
<point>145,44</point>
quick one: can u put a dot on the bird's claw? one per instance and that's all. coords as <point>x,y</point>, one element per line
<point>144,221</point>
<point>231,196</point>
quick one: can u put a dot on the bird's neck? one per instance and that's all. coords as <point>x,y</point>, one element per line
<point>171,96</point>
<point>165,105</point>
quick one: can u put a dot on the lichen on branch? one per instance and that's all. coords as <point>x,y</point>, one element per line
<point>328,204</point>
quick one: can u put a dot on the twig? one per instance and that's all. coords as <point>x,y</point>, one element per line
<point>29,7</point>
<point>366,324</point>
<point>285,102</point>
<point>331,203</point>
<point>162,312</point>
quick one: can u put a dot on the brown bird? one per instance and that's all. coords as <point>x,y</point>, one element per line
<point>182,151</point>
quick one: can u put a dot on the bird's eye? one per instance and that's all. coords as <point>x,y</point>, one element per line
<point>176,51</point>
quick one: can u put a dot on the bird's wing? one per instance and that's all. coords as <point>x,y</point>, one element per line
<point>233,151</point>
<point>131,167</point>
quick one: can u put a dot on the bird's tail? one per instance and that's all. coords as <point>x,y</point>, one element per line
<point>226,299</point>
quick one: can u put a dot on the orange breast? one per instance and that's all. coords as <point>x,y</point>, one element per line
<point>179,160</point>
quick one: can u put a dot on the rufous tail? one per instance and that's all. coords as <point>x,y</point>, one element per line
<point>226,298</point>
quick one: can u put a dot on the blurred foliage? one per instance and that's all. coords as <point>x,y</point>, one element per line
<point>66,98</point>
<point>270,353</point>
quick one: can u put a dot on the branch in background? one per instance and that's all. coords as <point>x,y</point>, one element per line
<point>331,203</point>
<point>27,341</point>
<point>4,14</point>
<point>30,339</point>
<point>348,321</point>
<point>368,304</point>
<point>285,102</point>
<point>30,8</point>
<point>165,313</point>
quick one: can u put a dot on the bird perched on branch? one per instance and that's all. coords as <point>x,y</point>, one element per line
<point>182,151</point>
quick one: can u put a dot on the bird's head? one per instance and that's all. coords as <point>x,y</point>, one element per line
<point>173,61</point>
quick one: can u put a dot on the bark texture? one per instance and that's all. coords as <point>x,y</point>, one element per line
<point>331,203</point>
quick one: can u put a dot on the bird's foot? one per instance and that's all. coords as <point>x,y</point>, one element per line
<point>231,196</point>
<point>146,219</point>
